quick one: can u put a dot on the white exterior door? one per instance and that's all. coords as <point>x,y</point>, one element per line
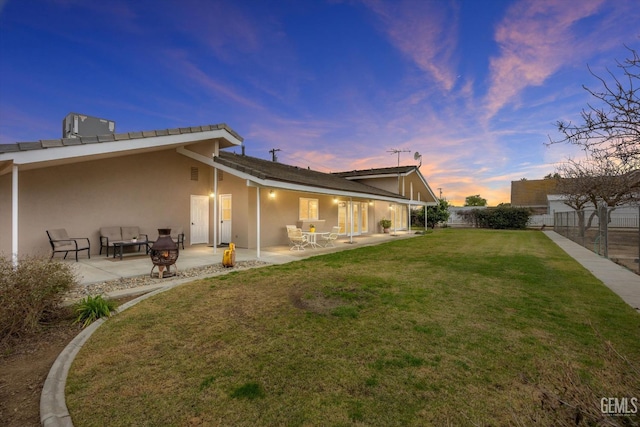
<point>225,218</point>
<point>199,219</point>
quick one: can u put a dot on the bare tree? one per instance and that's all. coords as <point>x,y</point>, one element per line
<point>595,182</point>
<point>611,130</point>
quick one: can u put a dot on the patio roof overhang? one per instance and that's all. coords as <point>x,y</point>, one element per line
<point>45,153</point>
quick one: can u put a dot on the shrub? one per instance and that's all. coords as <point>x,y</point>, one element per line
<point>501,217</point>
<point>91,309</point>
<point>385,223</point>
<point>31,293</point>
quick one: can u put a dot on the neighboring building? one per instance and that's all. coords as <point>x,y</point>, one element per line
<point>533,194</point>
<point>542,197</point>
<point>183,176</point>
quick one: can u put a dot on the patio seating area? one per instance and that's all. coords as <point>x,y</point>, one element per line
<point>101,269</point>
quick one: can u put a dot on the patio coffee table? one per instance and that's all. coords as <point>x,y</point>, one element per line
<point>119,246</point>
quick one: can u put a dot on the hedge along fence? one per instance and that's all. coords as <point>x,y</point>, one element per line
<point>501,217</point>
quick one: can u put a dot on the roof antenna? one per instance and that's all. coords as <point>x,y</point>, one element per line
<point>273,152</point>
<point>396,151</point>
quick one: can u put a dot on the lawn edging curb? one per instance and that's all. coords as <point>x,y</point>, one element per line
<point>53,406</point>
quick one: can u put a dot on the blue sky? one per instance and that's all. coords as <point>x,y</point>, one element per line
<point>475,86</point>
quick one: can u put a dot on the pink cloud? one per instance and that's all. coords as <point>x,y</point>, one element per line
<point>423,31</point>
<point>193,73</point>
<point>536,38</point>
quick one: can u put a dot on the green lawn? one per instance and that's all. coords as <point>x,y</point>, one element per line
<point>458,327</point>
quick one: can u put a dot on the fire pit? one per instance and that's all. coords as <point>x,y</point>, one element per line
<point>164,253</point>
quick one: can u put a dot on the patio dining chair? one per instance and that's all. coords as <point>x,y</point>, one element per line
<point>297,240</point>
<point>61,242</point>
<point>328,239</point>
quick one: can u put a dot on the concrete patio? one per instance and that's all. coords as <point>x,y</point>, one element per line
<point>100,268</point>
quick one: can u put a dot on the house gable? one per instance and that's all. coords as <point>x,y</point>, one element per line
<point>405,180</point>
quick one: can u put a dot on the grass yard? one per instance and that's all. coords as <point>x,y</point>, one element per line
<point>458,327</point>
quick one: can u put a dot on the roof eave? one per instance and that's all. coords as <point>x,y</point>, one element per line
<point>115,148</point>
<point>254,181</point>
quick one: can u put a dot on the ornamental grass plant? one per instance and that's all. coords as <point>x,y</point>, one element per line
<point>458,327</point>
<point>93,308</point>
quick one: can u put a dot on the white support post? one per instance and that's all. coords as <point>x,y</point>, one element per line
<point>14,214</point>
<point>215,210</point>
<point>257,222</point>
<point>351,216</point>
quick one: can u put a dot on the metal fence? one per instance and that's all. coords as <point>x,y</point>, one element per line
<point>611,234</point>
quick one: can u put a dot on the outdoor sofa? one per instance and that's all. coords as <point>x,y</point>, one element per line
<point>110,236</point>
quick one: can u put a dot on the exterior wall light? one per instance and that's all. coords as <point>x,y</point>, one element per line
<point>272,194</point>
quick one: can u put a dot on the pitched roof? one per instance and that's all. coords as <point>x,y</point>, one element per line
<point>392,171</point>
<point>532,192</point>
<point>81,140</point>
<point>275,172</point>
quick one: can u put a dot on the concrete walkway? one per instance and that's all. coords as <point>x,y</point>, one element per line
<point>623,282</point>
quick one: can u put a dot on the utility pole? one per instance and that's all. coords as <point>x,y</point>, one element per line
<point>440,189</point>
<point>273,152</point>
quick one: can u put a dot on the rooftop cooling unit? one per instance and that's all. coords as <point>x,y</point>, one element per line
<point>75,125</point>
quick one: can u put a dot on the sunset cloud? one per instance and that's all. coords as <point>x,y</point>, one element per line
<point>535,39</point>
<point>475,87</point>
<point>426,32</point>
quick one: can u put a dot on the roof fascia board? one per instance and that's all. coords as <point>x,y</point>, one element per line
<point>252,181</point>
<point>426,184</point>
<point>113,147</point>
<point>386,175</point>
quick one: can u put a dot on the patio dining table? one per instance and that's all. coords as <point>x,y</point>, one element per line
<point>312,237</point>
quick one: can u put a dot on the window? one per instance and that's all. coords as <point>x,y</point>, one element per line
<point>308,209</point>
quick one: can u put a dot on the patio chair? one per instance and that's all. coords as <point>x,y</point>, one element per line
<point>328,239</point>
<point>297,239</point>
<point>61,242</point>
<point>177,235</point>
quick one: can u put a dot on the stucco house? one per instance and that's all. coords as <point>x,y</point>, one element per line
<point>186,177</point>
